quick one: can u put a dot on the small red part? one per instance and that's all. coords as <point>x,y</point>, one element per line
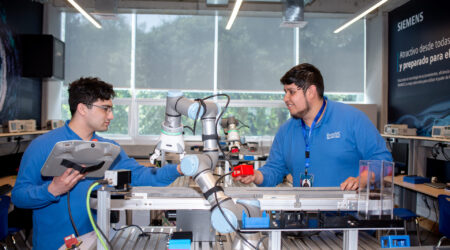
<point>70,241</point>
<point>242,170</point>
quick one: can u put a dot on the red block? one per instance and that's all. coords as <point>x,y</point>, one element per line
<point>242,170</point>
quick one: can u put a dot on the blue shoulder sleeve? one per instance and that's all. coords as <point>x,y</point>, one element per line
<point>275,168</point>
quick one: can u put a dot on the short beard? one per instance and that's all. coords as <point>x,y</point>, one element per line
<point>301,114</point>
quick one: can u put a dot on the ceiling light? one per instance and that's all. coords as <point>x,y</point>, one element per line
<point>359,16</point>
<point>85,14</point>
<point>237,5</point>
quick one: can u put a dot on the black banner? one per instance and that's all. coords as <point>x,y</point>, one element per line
<point>419,65</point>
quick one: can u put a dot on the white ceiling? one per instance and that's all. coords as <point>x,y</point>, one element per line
<point>198,6</point>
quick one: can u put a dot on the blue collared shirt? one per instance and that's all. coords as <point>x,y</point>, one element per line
<point>342,138</point>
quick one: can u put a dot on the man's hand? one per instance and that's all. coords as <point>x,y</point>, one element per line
<point>179,169</point>
<point>64,183</point>
<point>256,178</point>
<point>351,183</point>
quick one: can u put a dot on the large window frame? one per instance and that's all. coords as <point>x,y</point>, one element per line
<point>134,101</point>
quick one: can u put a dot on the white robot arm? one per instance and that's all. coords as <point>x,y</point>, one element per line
<point>225,213</point>
<point>230,128</point>
<point>171,138</point>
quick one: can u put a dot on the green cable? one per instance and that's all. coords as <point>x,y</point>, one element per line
<point>166,220</point>
<point>90,215</point>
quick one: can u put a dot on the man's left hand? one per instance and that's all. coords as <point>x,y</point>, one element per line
<point>179,169</point>
<point>352,183</point>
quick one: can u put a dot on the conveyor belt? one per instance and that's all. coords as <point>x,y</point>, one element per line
<point>158,238</point>
<point>327,240</point>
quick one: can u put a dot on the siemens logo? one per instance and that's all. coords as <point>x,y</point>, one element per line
<point>412,20</point>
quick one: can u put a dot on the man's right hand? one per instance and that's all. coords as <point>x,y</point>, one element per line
<point>256,178</point>
<point>64,183</point>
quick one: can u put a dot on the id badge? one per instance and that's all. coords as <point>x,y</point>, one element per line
<point>306,180</point>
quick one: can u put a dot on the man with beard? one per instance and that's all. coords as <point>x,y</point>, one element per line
<point>323,142</point>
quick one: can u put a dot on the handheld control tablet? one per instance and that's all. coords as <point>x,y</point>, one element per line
<point>96,157</point>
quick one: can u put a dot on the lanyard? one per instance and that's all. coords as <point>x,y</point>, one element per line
<point>307,137</point>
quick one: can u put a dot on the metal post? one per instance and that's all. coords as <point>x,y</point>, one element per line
<point>350,239</point>
<point>163,157</point>
<point>128,217</point>
<point>256,164</point>
<point>275,240</point>
<point>411,157</point>
<point>103,214</point>
<point>227,170</point>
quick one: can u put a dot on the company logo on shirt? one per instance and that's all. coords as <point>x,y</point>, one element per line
<point>334,135</point>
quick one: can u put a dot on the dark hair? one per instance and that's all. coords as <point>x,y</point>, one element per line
<point>304,75</point>
<point>87,91</point>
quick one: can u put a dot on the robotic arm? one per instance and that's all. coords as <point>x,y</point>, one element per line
<point>231,131</point>
<point>171,138</point>
<point>225,212</point>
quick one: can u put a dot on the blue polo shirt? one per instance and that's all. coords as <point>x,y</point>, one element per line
<point>342,138</point>
<point>51,222</point>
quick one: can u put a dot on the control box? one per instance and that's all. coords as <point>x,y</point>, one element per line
<point>440,131</point>
<point>15,126</point>
<point>120,179</point>
<point>52,124</point>
<point>399,129</point>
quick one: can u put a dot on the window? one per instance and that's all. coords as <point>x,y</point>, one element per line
<point>339,57</point>
<point>145,55</point>
<point>105,52</point>
<point>254,54</point>
<point>174,52</point>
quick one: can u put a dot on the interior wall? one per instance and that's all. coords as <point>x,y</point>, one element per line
<point>376,76</point>
<point>371,110</point>
<point>377,60</point>
<point>22,96</point>
<point>51,89</point>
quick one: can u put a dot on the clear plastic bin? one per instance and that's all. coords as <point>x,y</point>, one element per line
<point>376,189</point>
